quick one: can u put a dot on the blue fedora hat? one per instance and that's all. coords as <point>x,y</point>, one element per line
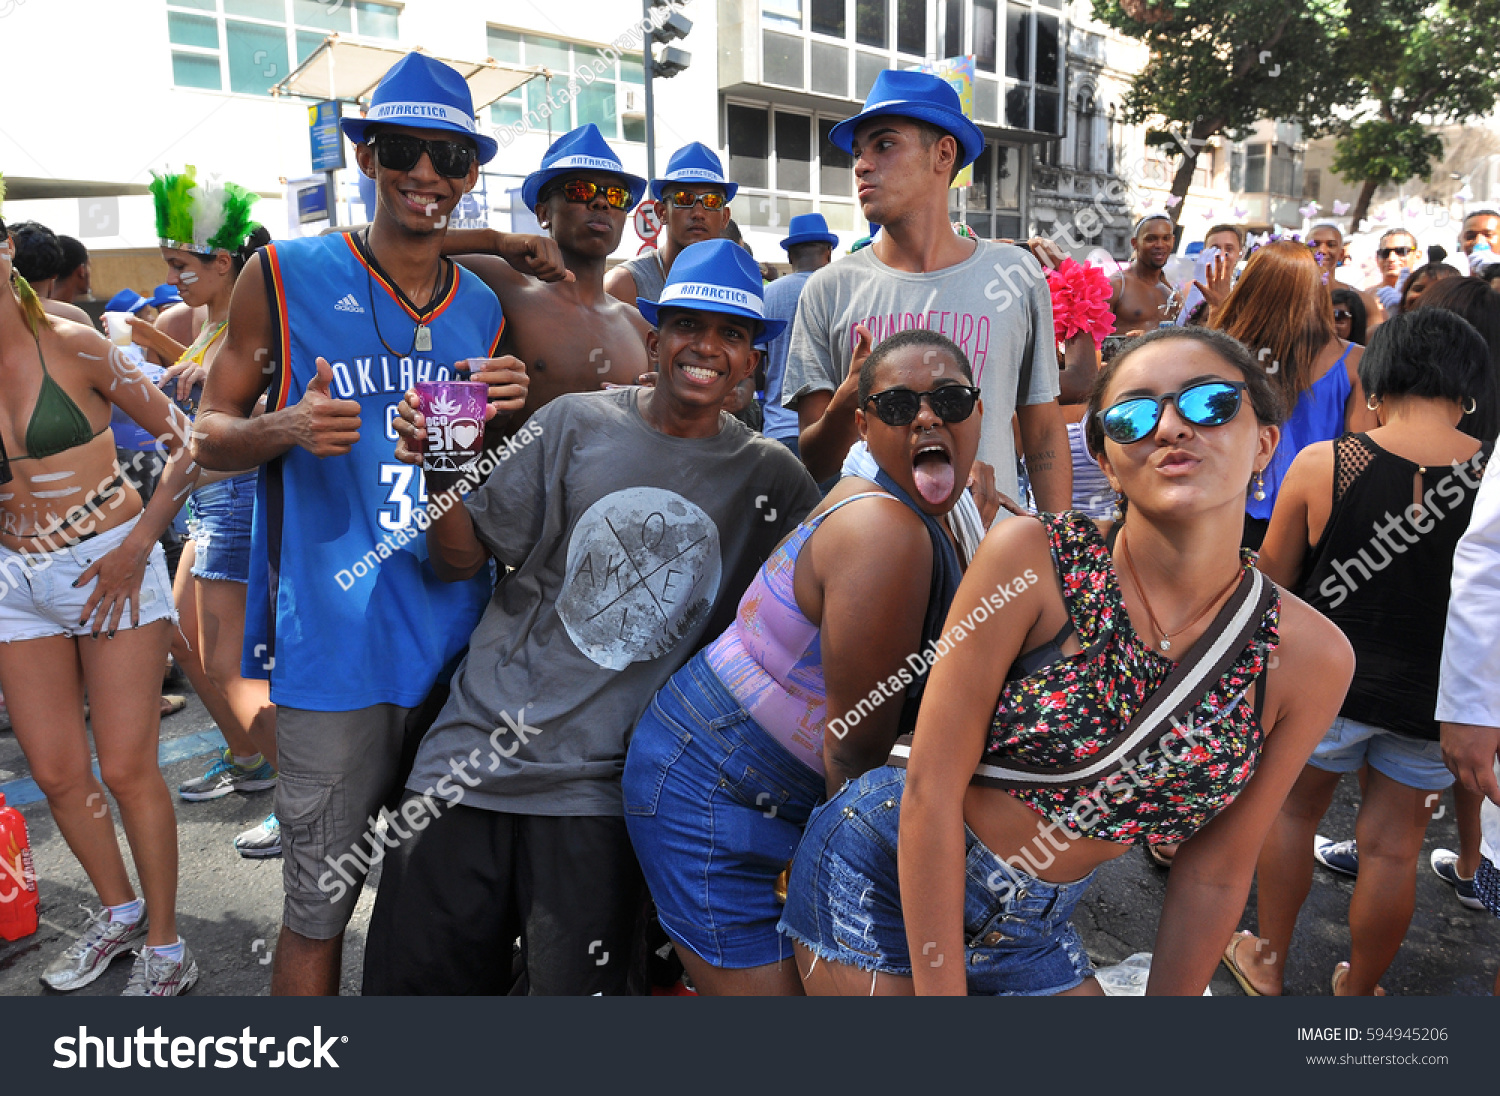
<point>809,228</point>
<point>165,294</point>
<point>714,276</point>
<point>582,149</point>
<point>694,163</point>
<point>918,95</point>
<point>127,300</point>
<point>421,93</point>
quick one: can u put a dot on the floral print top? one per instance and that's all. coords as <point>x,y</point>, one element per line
<point>1075,707</point>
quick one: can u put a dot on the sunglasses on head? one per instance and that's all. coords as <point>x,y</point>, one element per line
<point>1208,403</point>
<point>401,151</point>
<point>686,199</point>
<point>899,406</point>
<point>1340,315</point>
<point>1387,252</point>
<point>582,191</point>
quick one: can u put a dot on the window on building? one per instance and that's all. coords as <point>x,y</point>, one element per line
<point>1203,169</point>
<point>828,17</point>
<point>785,165</point>
<point>247,46</point>
<point>1312,184</point>
<point>1083,152</point>
<point>911,27</point>
<point>613,100</point>
<point>1237,169</point>
<point>781,14</point>
<point>870,23</point>
<point>984,35</point>
<point>1255,169</point>
<point>993,201</point>
<point>953,30</point>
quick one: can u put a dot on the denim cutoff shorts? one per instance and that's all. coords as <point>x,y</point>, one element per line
<point>1415,762</point>
<point>219,523</point>
<point>844,905</point>
<point>714,807</point>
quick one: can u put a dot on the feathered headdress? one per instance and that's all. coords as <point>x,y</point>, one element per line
<point>201,217</point>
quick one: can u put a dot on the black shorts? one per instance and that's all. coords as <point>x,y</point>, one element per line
<point>455,895</point>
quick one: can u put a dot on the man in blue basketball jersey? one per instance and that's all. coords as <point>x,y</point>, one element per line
<point>334,330</point>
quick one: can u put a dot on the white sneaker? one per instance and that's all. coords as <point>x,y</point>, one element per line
<point>157,976</point>
<point>89,956</point>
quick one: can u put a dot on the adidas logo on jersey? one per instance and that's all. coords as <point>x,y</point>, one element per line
<point>349,304</point>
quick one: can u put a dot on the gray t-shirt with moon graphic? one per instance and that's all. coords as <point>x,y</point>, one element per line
<point>630,549</point>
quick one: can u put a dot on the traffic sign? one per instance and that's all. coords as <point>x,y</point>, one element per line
<point>647,225</point>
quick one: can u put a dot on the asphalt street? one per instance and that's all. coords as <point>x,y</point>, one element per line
<point>229,909</point>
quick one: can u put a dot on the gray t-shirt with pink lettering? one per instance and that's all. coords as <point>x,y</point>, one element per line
<point>995,305</point>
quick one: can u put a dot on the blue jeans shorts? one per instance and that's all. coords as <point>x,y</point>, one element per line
<point>844,905</point>
<point>219,523</point>
<point>715,808</point>
<point>1415,762</point>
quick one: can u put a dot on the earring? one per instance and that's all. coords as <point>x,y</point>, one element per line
<point>1372,404</point>
<point>1473,405</point>
<point>1260,486</point>
<point>1118,513</point>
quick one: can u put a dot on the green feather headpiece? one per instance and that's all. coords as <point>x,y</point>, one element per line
<point>202,217</point>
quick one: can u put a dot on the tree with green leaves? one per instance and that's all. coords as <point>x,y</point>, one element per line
<point>1218,66</point>
<point>1418,64</point>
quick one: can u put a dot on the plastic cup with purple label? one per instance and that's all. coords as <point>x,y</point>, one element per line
<point>454,415</point>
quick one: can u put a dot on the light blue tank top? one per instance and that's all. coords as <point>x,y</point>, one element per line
<point>343,610</point>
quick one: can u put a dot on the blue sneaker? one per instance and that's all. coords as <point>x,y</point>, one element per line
<point>261,841</point>
<point>1445,867</point>
<point>224,776</point>
<point>1339,856</point>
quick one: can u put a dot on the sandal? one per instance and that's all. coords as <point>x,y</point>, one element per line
<point>1155,854</point>
<point>171,704</point>
<point>1231,960</point>
<point>1341,972</point>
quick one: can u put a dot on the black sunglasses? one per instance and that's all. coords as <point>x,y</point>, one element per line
<point>1387,252</point>
<point>1342,314</point>
<point>899,406</point>
<point>401,151</point>
<point>1208,403</point>
<point>581,191</point>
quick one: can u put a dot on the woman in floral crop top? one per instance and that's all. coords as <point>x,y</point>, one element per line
<point>1050,675</point>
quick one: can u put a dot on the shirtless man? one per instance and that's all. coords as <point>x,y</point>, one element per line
<point>693,181</point>
<point>1327,243</point>
<point>572,335</point>
<point>1140,296</point>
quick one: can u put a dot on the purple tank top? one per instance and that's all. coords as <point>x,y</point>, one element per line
<point>770,659</point>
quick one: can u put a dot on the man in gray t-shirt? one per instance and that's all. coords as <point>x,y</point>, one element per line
<point>995,305</point>
<point>631,521</point>
<point>909,144</point>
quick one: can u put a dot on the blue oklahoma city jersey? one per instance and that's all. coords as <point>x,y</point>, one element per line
<point>343,609</point>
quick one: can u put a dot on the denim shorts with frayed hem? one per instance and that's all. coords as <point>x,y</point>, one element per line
<point>38,598</point>
<point>715,808</point>
<point>844,905</point>
<point>219,524</point>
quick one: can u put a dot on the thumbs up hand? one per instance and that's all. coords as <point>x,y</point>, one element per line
<point>325,426</point>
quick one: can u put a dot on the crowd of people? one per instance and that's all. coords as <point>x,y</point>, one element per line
<point>848,689</point>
